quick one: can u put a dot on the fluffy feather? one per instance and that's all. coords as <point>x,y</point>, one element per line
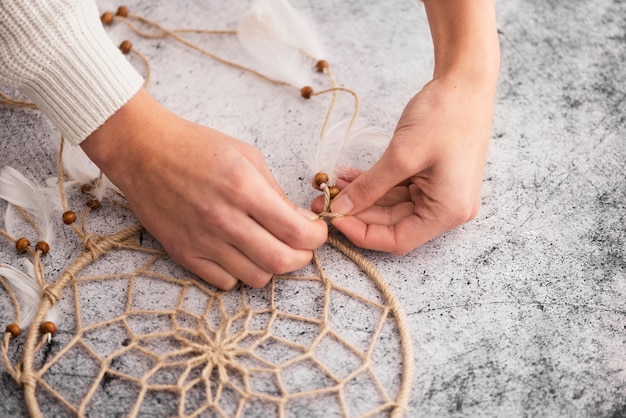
<point>278,37</point>
<point>340,150</point>
<point>79,168</point>
<point>77,165</point>
<point>38,202</point>
<point>27,290</point>
<point>12,220</point>
<point>53,313</point>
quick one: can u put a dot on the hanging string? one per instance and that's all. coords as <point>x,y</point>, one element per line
<point>158,31</point>
<point>5,100</point>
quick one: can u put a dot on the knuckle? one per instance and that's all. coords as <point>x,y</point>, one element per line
<point>289,260</point>
<point>296,234</point>
<point>464,211</point>
<point>370,189</point>
<point>258,280</point>
<point>279,262</point>
<point>227,284</point>
<point>399,158</point>
<point>254,154</point>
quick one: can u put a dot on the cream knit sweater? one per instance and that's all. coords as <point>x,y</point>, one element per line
<point>58,54</point>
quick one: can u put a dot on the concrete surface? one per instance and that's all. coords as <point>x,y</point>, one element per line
<point>521,312</point>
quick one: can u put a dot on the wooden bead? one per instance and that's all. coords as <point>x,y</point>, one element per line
<point>93,204</point>
<point>43,247</point>
<point>126,46</point>
<point>48,328</point>
<point>334,191</point>
<point>85,188</point>
<point>122,11</point>
<point>106,18</point>
<point>69,217</point>
<point>22,244</point>
<point>14,330</point>
<point>306,92</point>
<point>320,178</point>
<point>321,65</point>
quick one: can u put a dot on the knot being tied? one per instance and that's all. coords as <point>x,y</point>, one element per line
<point>321,181</point>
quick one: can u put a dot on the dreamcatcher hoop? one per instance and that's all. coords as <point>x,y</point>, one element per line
<point>33,377</point>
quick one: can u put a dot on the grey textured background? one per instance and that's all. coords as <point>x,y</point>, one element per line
<point>521,312</point>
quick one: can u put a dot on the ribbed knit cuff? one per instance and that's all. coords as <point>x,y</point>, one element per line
<point>59,55</point>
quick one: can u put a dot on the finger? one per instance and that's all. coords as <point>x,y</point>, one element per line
<point>406,235</point>
<point>257,160</point>
<point>211,272</point>
<point>296,227</point>
<point>399,194</point>
<point>317,205</point>
<point>370,186</point>
<point>236,264</point>
<point>262,249</point>
<point>342,182</point>
<point>386,215</point>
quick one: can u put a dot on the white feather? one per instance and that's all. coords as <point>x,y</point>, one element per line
<point>12,219</point>
<point>101,187</point>
<point>278,37</point>
<point>53,312</point>
<point>364,147</point>
<point>77,165</point>
<point>340,150</point>
<point>80,169</point>
<point>27,290</point>
<point>38,202</point>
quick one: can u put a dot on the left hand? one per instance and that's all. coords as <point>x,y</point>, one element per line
<point>429,179</point>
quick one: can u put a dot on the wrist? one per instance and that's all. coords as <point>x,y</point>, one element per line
<point>126,139</point>
<point>465,41</point>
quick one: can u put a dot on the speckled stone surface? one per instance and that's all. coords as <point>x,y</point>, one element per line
<point>521,312</point>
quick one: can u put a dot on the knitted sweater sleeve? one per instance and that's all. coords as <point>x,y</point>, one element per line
<point>58,54</point>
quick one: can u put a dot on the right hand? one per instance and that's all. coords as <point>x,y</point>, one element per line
<point>209,199</point>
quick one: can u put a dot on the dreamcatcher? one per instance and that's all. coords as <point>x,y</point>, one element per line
<point>174,344</point>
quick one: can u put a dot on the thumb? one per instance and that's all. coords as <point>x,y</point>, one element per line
<point>370,186</point>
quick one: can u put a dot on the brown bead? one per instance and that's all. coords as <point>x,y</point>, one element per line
<point>93,204</point>
<point>321,65</point>
<point>334,191</point>
<point>85,188</point>
<point>320,178</point>
<point>122,11</point>
<point>69,217</point>
<point>48,328</point>
<point>106,18</point>
<point>43,247</point>
<point>126,46</point>
<point>14,330</point>
<point>22,244</point>
<point>306,92</point>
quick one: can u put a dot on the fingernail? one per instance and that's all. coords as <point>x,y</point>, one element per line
<point>342,204</point>
<point>307,214</point>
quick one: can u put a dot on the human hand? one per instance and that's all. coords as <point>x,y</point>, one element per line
<point>429,178</point>
<point>209,199</point>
